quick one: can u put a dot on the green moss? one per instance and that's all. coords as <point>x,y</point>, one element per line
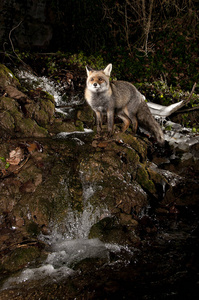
<point>19,258</point>
<point>8,104</point>
<point>80,59</point>
<point>33,229</point>
<point>142,178</point>
<point>7,121</point>
<point>86,114</point>
<point>6,76</point>
<point>28,127</point>
<point>48,106</point>
<point>155,177</point>
<point>41,117</point>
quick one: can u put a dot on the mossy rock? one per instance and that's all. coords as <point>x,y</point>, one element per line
<point>29,128</point>
<point>86,114</point>
<point>42,117</point>
<point>19,125</point>
<point>70,126</point>
<point>8,104</point>
<point>20,258</point>
<point>109,230</point>
<point>91,263</point>
<point>33,229</point>
<point>7,77</point>
<point>7,122</point>
<point>155,176</point>
<point>143,179</point>
<point>43,112</point>
<point>135,143</point>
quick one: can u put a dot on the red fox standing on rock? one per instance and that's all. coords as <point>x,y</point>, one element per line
<point>122,98</point>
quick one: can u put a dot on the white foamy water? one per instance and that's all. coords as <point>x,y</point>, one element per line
<point>53,88</point>
<point>44,83</point>
<point>69,245</point>
<point>45,273</point>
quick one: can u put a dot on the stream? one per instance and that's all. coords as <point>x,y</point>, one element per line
<point>164,264</point>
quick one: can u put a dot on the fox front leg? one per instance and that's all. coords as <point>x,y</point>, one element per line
<point>99,121</point>
<point>110,120</point>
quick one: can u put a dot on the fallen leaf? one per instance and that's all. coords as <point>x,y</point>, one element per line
<point>102,144</point>
<point>94,143</point>
<point>32,147</point>
<point>15,156</point>
<point>35,146</point>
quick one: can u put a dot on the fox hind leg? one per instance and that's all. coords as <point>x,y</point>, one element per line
<point>125,119</point>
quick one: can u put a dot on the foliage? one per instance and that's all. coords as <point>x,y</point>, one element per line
<point>160,92</point>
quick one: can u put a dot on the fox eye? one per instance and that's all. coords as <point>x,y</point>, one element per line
<point>91,79</point>
<point>100,79</point>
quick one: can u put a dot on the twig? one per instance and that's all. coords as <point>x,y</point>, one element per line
<point>11,39</point>
<point>12,42</point>
<point>192,91</point>
<point>187,110</point>
<point>22,164</point>
<point>188,100</point>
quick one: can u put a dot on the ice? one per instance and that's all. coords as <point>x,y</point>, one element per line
<point>193,140</point>
<point>163,111</point>
<point>63,135</point>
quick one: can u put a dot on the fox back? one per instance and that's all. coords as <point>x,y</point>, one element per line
<point>120,97</point>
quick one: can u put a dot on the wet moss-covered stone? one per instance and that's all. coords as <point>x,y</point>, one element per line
<point>42,111</point>
<point>7,122</point>
<point>15,123</point>
<point>86,114</point>
<point>134,142</point>
<point>7,77</point>
<point>92,263</point>
<point>19,258</point>
<point>142,178</point>
<point>109,230</point>
<point>155,176</point>
<point>29,128</point>
<point>33,229</point>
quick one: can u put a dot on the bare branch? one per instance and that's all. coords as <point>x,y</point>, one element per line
<point>12,42</point>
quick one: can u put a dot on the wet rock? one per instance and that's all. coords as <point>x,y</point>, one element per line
<point>194,149</point>
<point>20,258</point>
<point>90,264</point>
<point>7,77</point>
<point>126,219</point>
<point>109,230</point>
<point>28,115</point>
<point>143,179</point>
<point>7,124</point>
<point>14,93</point>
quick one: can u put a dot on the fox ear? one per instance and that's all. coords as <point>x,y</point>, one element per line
<point>108,70</point>
<point>88,70</point>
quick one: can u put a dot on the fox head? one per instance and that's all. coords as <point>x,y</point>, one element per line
<point>98,81</point>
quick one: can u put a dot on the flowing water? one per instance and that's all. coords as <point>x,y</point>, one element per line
<point>164,266</point>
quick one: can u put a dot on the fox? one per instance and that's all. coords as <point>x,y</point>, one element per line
<point>119,98</point>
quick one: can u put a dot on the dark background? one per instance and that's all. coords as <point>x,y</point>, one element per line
<point>145,40</point>
<point>91,25</point>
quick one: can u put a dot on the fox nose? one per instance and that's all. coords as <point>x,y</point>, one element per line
<point>95,84</point>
